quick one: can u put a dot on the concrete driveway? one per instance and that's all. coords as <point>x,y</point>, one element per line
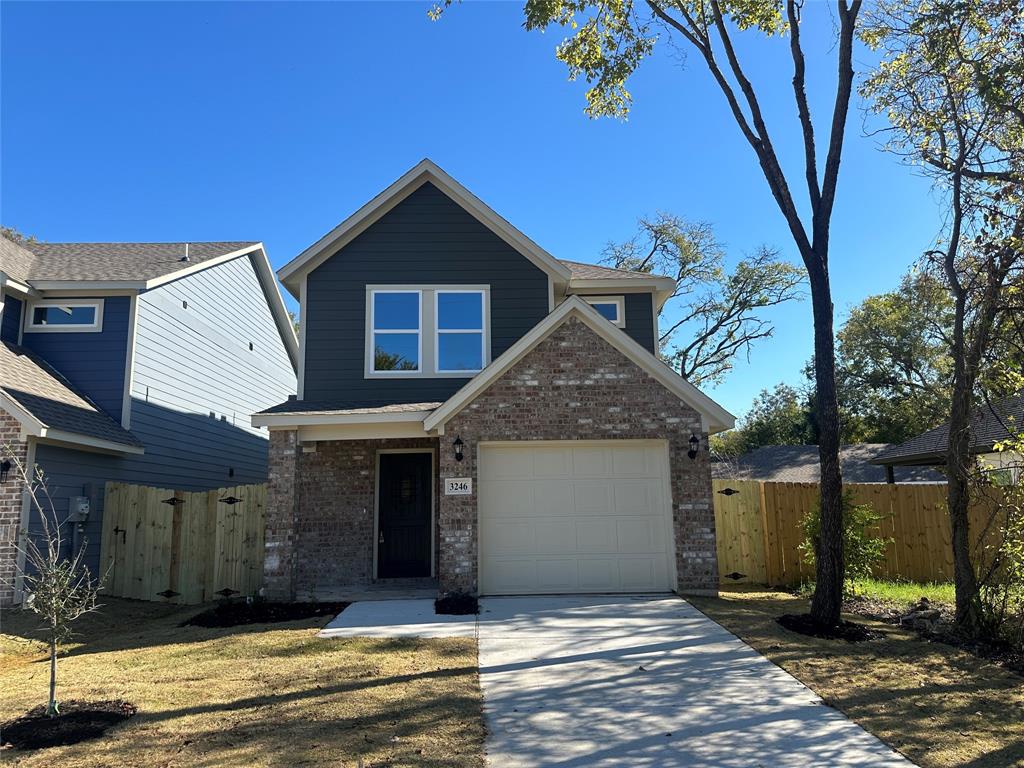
<point>641,682</point>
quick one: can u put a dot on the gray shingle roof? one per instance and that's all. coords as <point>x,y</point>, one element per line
<point>582,271</point>
<point>121,261</point>
<point>106,261</point>
<point>990,424</point>
<point>44,393</point>
<point>338,408</point>
<point>799,464</point>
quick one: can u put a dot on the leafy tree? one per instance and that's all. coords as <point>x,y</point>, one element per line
<point>12,234</point>
<point>779,416</point>
<point>611,38</point>
<point>715,314</point>
<point>894,366</point>
<point>951,83</point>
<point>391,361</point>
<point>60,588</point>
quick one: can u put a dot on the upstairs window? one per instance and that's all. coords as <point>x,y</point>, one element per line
<point>612,308</point>
<point>395,320</point>
<point>460,331</point>
<point>64,316</point>
<point>430,331</point>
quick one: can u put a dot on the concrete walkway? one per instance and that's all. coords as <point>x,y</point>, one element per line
<point>592,682</point>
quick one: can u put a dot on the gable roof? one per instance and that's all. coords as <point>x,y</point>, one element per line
<point>713,416</point>
<point>16,261</point>
<point>991,423</point>
<point>800,464</point>
<point>47,405</point>
<point>588,277</point>
<point>421,173</point>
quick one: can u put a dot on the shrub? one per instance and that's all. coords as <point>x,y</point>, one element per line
<point>862,547</point>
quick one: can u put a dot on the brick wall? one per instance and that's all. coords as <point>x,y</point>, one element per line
<point>320,511</point>
<point>10,506</point>
<point>576,386</point>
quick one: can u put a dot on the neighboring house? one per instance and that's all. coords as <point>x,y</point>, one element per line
<point>991,424</point>
<point>134,362</point>
<point>800,464</point>
<point>477,415</point>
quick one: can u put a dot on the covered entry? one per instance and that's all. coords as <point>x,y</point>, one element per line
<point>574,516</point>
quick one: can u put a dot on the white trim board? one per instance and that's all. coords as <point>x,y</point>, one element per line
<point>423,172</point>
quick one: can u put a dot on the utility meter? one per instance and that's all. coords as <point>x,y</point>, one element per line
<point>78,509</point>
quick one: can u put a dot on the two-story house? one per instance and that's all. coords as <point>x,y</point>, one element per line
<point>133,362</point>
<point>477,414</point>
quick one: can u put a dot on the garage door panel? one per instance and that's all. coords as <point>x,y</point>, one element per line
<point>590,517</point>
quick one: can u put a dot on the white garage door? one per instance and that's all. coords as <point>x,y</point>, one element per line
<point>575,517</point>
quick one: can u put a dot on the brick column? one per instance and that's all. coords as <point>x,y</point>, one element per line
<point>457,521</point>
<point>279,554</point>
<point>10,505</point>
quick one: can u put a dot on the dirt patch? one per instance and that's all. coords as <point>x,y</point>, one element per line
<point>234,614</point>
<point>844,630</point>
<point>77,721</point>
<point>458,604</point>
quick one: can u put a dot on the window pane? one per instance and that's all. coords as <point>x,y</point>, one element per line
<point>64,316</point>
<point>460,310</point>
<point>609,310</point>
<point>460,351</point>
<point>395,351</point>
<point>396,311</point>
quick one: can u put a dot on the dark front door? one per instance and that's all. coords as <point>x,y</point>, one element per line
<point>403,509</point>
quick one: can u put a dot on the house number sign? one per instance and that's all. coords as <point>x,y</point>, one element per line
<point>458,486</point>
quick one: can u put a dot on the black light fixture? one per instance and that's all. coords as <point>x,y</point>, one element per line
<point>694,444</point>
<point>5,470</point>
<point>457,445</point>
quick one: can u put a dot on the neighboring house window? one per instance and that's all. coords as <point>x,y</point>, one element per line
<point>430,331</point>
<point>460,331</point>
<point>395,322</point>
<point>64,316</point>
<point>612,308</point>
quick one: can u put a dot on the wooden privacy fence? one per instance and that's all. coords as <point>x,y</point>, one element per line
<point>758,529</point>
<point>159,541</point>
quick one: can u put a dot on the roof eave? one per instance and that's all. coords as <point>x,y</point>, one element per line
<point>300,419</point>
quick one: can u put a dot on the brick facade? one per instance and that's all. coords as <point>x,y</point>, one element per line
<point>320,514</point>
<point>10,505</point>
<point>572,386</point>
<point>576,386</point>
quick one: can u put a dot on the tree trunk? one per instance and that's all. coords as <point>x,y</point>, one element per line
<point>51,705</point>
<point>830,565</point>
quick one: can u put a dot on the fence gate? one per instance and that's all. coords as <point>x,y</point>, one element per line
<point>181,546</point>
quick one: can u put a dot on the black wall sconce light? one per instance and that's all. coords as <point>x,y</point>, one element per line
<point>694,445</point>
<point>457,445</point>
<point>5,470</point>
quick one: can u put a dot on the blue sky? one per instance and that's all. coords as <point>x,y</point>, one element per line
<point>267,121</point>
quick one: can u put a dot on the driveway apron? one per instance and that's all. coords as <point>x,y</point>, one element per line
<point>640,681</point>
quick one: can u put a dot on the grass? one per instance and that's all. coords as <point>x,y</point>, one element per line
<point>900,593</point>
<point>255,695</point>
<point>939,706</point>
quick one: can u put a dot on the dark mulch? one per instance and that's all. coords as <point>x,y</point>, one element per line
<point>942,631</point>
<point>846,630</point>
<point>77,721</point>
<point>457,604</point>
<point>233,614</point>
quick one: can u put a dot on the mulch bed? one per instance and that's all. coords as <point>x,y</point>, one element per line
<point>457,604</point>
<point>233,614</point>
<point>941,631</point>
<point>77,721</point>
<point>846,630</point>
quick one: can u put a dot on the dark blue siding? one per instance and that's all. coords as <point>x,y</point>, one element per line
<point>426,239</point>
<point>11,320</point>
<point>93,362</point>
<point>640,320</point>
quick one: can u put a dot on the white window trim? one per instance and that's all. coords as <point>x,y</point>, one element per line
<point>95,327</point>
<point>428,330</point>
<point>372,331</point>
<point>618,301</point>
<point>482,330</point>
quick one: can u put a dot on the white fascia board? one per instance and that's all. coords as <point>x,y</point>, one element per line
<point>413,179</point>
<point>88,287</point>
<point>193,268</point>
<point>276,302</point>
<point>15,286</point>
<point>714,417</point>
<point>33,427</point>
<point>30,425</point>
<point>662,287</point>
<point>278,420</point>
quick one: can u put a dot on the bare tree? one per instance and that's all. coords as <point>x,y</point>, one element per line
<point>713,315</point>
<point>60,587</point>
